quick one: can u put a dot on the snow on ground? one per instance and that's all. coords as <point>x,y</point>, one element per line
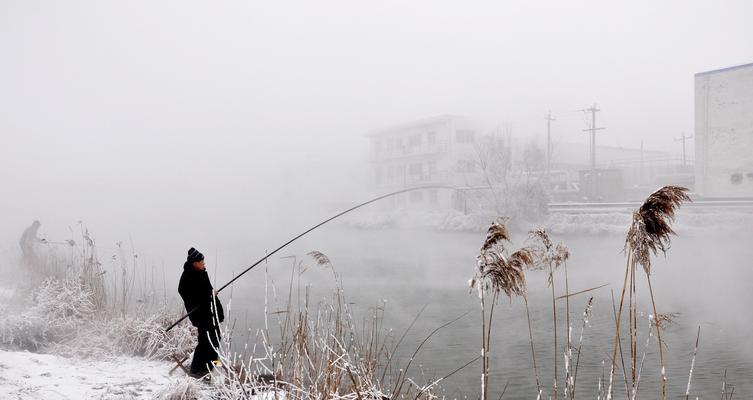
<point>25,375</point>
<point>6,294</point>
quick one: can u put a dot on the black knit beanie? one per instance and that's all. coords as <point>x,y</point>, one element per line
<point>194,255</point>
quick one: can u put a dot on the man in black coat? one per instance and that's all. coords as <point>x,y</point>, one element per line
<point>199,297</point>
<point>29,244</point>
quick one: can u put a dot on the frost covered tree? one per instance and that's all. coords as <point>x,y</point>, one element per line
<point>513,185</point>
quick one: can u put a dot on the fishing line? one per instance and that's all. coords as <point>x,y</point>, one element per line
<point>309,230</point>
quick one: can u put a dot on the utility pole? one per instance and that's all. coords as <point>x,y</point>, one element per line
<point>683,138</point>
<point>593,186</point>
<point>549,120</point>
<point>593,110</point>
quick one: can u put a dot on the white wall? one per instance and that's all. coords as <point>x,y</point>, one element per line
<point>724,132</point>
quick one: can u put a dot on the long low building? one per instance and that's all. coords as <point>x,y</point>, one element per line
<point>724,132</point>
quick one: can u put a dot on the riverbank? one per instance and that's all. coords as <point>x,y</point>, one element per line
<point>25,375</point>
<point>577,222</point>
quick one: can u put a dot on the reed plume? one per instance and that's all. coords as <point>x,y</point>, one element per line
<point>549,256</point>
<point>500,273</point>
<point>496,235</point>
<point>497,272</point>
<point>651,229</point>
<point>320,258</point>
<point>649,233</point>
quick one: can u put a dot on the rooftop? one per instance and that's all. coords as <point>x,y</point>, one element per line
<point>716,71</point>
<point>416,124</point>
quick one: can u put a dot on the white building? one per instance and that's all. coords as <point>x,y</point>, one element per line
<point>434,151</point>
<point>724,132</point>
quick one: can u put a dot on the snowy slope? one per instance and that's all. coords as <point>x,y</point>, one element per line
<point>25,375</point>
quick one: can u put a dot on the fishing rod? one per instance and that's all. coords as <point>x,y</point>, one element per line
<point>309,230</point>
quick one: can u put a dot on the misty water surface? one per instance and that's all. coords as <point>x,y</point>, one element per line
<point>706,283</point>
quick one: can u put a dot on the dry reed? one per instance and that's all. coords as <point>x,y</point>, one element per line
<point>497,271</point>
<point>649,233</point>
<point>549,256</point>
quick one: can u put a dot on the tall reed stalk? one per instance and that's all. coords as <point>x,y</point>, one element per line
<point>649,233</point>
<point>692,364</point>
<point>497,272</point>
<point>549,256</point>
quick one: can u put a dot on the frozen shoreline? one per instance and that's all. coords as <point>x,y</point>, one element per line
<point>692,222</point>
<point>25,375</point>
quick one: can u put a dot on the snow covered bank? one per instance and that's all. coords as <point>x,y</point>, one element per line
<point>583,222</point>
<point>25,375</point>
<point>81,351</point>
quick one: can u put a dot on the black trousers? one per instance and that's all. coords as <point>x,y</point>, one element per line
<point>205,353</point>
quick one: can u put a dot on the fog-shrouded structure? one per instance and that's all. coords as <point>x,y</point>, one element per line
<point>439,150</point>
<point>724,132</point>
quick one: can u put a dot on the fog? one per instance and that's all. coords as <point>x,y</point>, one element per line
<point>233,126</point>
<point>196,107</point>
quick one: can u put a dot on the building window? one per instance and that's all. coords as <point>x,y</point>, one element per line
<point>464,136</point>
<point>414,140</point>
<point>415,169</point>
<point>466,166</point>
<point>431,138</point>
<point>432,168</point>
<point>378,176</point>
<point>416,197</point>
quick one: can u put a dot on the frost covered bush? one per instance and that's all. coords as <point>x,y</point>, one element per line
<point>183,389</point>
<point>146,337</point>
<point>129,336</point>
<point>64,300</point>
<point>59,308</point>
<point>65,320</point>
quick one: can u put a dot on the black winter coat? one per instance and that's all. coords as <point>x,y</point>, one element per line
<point>196,291</point>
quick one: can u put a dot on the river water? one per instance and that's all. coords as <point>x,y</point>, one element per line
<point>707,283</point>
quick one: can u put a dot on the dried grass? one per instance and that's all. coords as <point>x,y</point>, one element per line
<point>320,258</point>
<point>59,308</point>
<point>651,228</point>
<point>549,256</point>
<point>496,235</point>
<point>65,320</point>
<point>650,232</point>
<point>320,354</point>
<point>497,271</point>
<point>183,389</point>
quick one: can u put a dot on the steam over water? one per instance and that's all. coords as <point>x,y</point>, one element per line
<point>145,128</point>
<point>706,283</point>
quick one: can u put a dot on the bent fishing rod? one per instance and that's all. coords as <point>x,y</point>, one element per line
<point>309,230</point>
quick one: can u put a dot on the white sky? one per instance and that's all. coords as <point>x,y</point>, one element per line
<point>115,93</point>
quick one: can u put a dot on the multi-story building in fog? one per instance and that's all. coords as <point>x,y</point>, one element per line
<point>724,132</point>
<point>434,151</point>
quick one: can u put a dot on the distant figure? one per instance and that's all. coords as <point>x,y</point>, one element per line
<point>28,243</point>
<point>197,293</point>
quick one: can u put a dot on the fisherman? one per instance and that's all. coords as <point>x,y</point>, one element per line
<point>28,243</point>
<point>198,294</point>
